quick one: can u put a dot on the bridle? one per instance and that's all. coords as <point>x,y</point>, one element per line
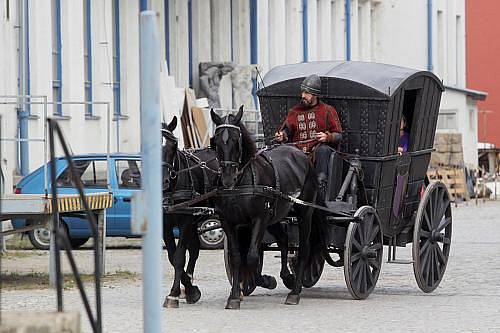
<point>223,130</point>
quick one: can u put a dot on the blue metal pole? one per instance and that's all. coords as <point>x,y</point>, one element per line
<point>348,29</point>
<point>144,5</point>
<point>430,65</point>
<point>253,46</point>
<point>24,111</point>
<point>152,173</point>
<point>190,41</point>
<point>305,30</point>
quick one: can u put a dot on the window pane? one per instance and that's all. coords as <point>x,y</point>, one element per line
<point>66,179</point>
<point>95,175</point>
<point>128,173</point>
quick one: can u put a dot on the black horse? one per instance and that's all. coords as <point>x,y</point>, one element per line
<point>248,207</point>
<point>186,175</point>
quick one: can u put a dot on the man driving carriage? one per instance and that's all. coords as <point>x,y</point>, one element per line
<point>314,127</point>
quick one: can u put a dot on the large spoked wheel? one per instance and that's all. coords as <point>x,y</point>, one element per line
<point>432,237</point>
<point>363,253</point>
<point>247,287</point>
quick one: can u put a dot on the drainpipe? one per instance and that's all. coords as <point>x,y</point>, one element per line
<point>430,66</point>
<point>348,29</point>
<point>23,86</point>
<point>305,30</point>
<point>253,47</point>
<point>144,5</point>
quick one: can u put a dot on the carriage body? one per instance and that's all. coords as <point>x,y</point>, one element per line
<point>370,100</point>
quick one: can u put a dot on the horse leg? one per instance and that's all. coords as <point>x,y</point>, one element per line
<point>233,302</point>
<point>179,260</point>
<point>193,293</point>
<point>282,240</point>
<point>255,254</point>
<point>293,297</point>
<point>194,250</point>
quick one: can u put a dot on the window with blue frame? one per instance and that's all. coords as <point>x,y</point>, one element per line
<point>116,57</point>
<point>56,57</point>
<point>87,54</point>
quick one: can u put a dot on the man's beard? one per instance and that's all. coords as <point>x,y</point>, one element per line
<point>305,103</point>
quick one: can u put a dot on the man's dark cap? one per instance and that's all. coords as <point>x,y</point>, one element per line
<point>311,84</point>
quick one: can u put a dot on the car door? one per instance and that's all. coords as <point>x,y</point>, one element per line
<point>93,175</point>
<point>128,180</point>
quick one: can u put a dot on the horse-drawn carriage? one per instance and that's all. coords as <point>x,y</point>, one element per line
<point>375,196</point>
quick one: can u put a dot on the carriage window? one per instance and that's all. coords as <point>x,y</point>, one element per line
<point>410,99</point>
<point>128,173</point>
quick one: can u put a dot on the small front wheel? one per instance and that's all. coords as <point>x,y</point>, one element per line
<point>363,253</point>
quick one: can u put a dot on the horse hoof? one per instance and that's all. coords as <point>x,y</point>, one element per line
<point>233,304</point>
<point>171,302</point>
<point>292,299</point>
<point>289,281</point>
<point>269,282</point>
<point>193,295</point>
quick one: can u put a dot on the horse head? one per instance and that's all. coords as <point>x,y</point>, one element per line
<point>169,149</point>
<point>228,142</point>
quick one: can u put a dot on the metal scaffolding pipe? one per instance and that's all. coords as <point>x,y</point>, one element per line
<point>151,170</point>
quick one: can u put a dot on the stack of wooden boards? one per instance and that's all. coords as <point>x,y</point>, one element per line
<point>195,128</point>
<point>447,164</point>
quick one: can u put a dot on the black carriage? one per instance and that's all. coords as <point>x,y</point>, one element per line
<point>376,196</point>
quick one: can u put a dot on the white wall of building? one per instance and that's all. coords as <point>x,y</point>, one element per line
<point>387,31</point>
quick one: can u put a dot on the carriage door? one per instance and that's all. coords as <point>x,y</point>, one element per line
<point>402,178</point>
<point>128,177</point>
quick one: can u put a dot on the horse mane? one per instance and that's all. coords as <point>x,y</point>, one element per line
<point>249,149</point>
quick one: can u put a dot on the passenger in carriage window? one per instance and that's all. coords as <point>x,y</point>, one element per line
<point>314,127</point>
<point>404,136</point>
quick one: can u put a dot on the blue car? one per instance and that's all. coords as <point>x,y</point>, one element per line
<point>92,169</point>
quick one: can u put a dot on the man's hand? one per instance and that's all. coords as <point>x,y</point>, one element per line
<point>321,137</point>
<point>280,136</point>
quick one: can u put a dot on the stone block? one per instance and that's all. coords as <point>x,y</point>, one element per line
<point>40,322</point>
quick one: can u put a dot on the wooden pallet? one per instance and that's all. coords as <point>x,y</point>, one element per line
<point>454,179</point>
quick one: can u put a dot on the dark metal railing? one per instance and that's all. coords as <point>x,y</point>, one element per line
<point>61,237</point>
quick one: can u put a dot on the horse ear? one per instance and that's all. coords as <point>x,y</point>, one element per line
<point>172,125</point>
<point>215,117</point>
<point>238,115</point>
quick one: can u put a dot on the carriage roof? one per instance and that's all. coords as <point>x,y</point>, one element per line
<point>344,79</point>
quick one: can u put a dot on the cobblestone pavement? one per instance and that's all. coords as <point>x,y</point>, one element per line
<point>468,298</point>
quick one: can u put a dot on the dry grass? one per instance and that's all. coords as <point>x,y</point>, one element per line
<point>35,280</point>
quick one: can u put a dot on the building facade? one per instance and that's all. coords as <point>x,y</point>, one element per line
<point>483,68</point>
<point>87,51</point>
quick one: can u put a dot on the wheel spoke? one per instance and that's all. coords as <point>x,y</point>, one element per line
<point>375,247</point>
<point>374,263</point>
<point>356,257</point>
<point>359,231</point>
<point>424,247</point>
<point>427,219</point>
<point>360,277</point>
<point>431,266</point>
<point>367,228</point>
<point>440,255</point>
<point>356,270</point>
<point>443,224</point>
<point>362,283</point>
<point>425,234</point>
<point>369,275</point>
<point>356,244</point>
<point>424,255</point>
<point>374,234</point>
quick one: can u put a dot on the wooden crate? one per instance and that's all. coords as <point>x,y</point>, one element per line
<point>454,179</point>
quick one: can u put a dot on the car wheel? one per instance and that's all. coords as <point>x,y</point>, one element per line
<point>40,238</point>
<point>213,239</point>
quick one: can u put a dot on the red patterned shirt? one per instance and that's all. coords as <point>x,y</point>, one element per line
<point>303,124</point>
